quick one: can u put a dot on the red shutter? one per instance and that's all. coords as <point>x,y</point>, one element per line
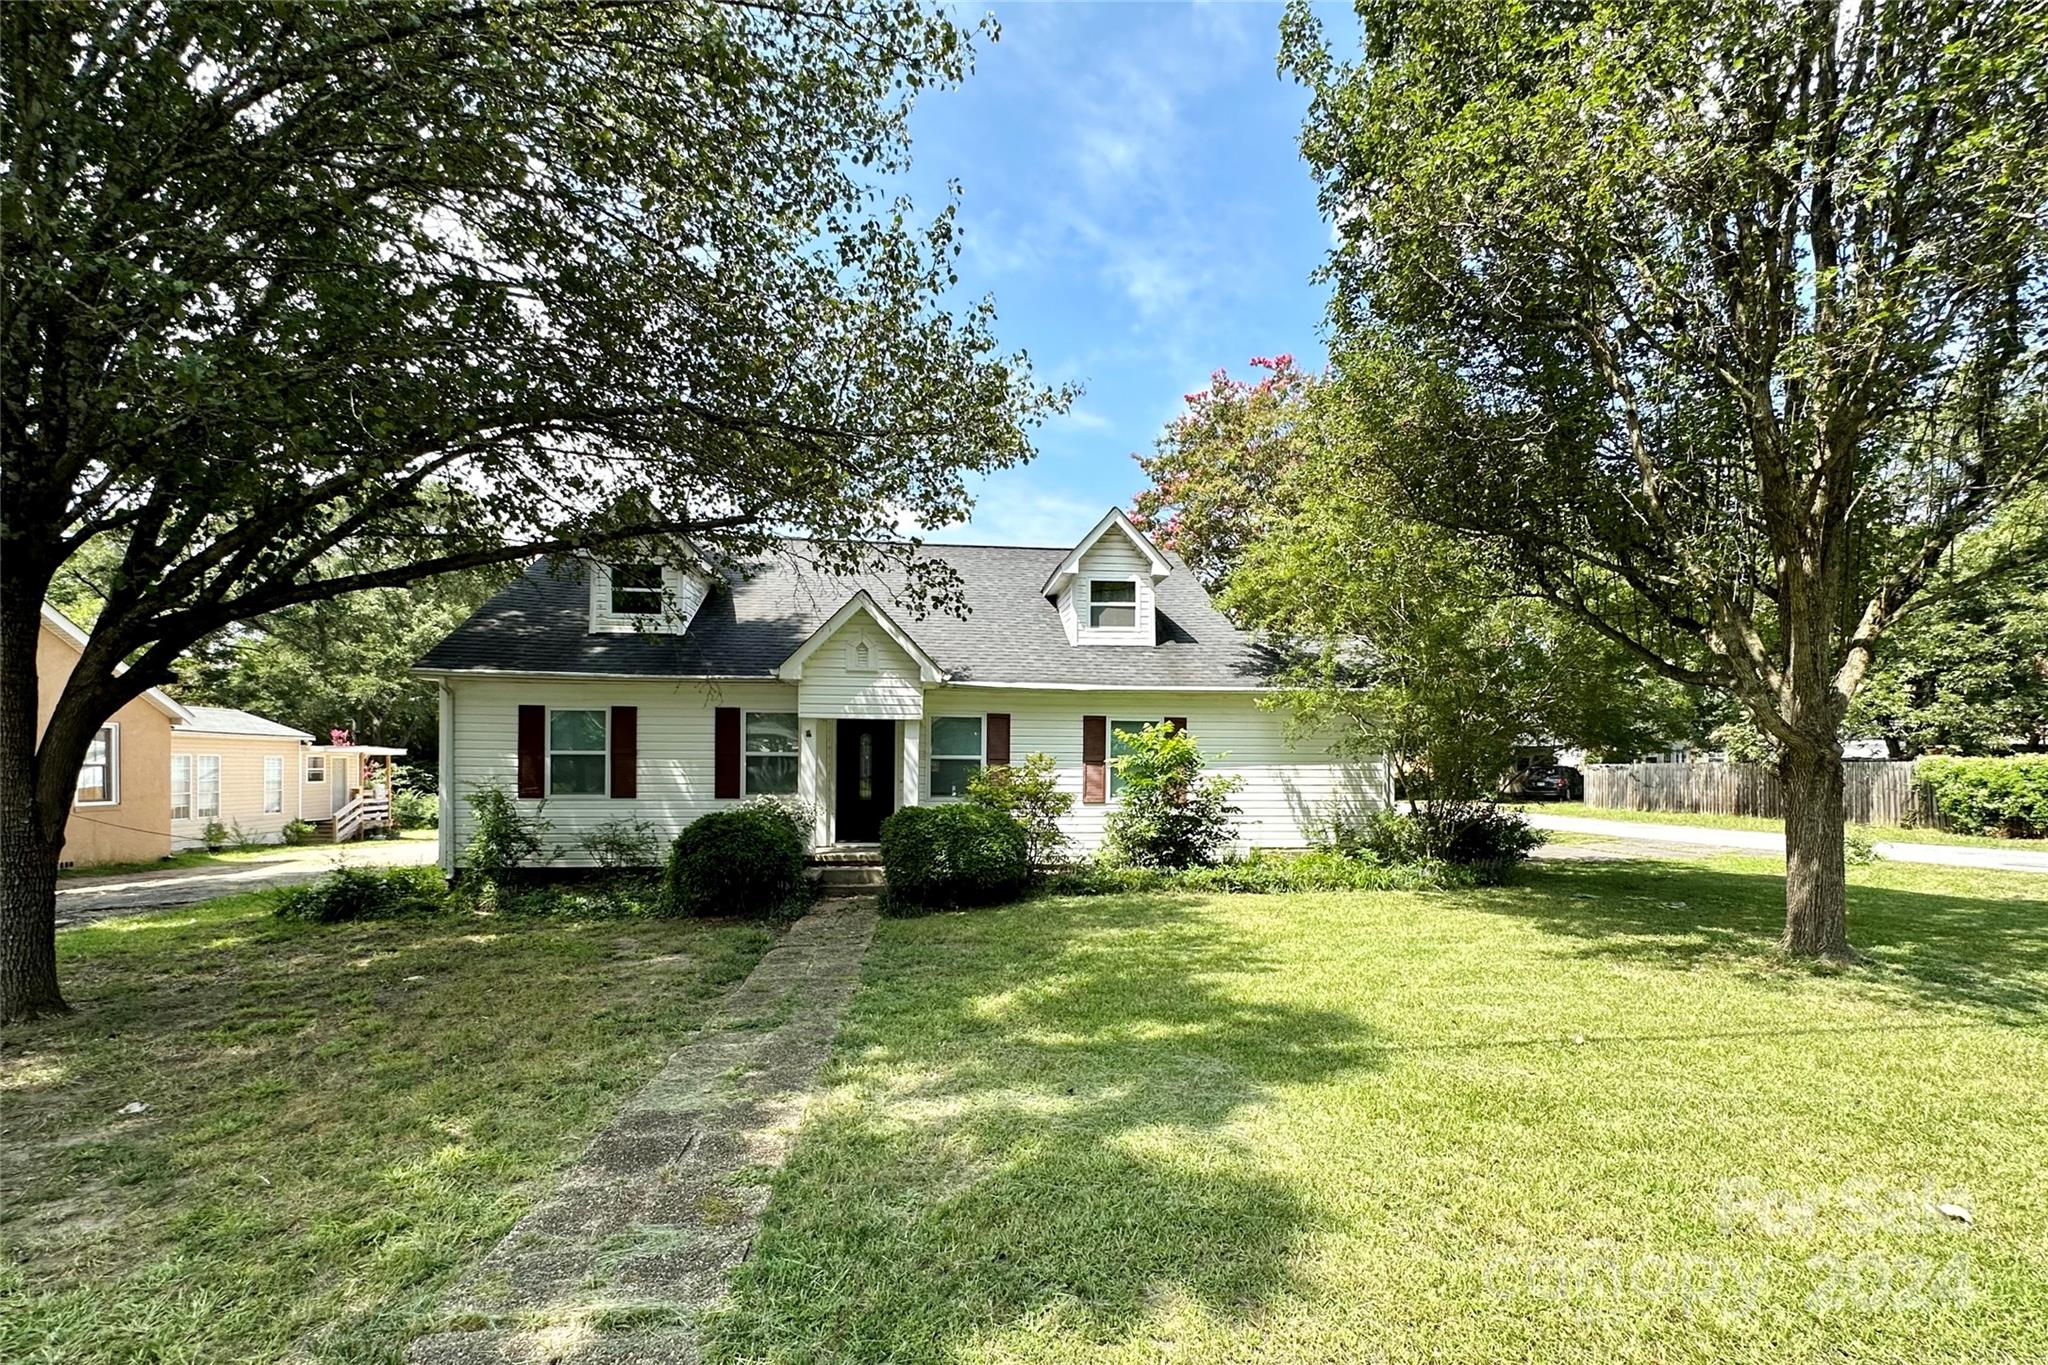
<point>725,733</point>
<point>998,738</point>
<point>625,751</point>
<point>1094,759</point>
<point>1179,724</point>
<point>533,754</point>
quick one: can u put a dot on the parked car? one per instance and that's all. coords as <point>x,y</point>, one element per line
<point>1552,783</point>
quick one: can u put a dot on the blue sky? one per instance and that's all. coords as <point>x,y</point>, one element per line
<point>1135,201</point>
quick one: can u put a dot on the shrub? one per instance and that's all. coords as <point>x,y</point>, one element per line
<point>936,857</point>
<point>354,893</point>
<point>1858,848</point>
<point>1169,814</point>
<point>296,832</point>
<point>214,836</point>
<point>2007,796</point>
<point>1030,794</point>
<point>613,895</point>
<point>800,814</point>
<point>505,838</point>
<point>1483,837</point>
<point>745,861</point>
<point>617,844</point>
<point>412,809</point>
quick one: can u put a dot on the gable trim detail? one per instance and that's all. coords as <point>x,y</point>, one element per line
<point>1155,562</point>
<point>861,603</point>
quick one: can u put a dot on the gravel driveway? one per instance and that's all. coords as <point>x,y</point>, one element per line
<point>81,900</point>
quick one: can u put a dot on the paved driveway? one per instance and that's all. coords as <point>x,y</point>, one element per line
<point>1705,838</point>
<point>80,900</point>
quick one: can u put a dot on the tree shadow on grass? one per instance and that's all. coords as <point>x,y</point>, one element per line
<point>1031,1134</point>
<point>1985,952</point>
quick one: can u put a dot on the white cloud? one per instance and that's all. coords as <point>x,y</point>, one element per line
<point>1026,513</point>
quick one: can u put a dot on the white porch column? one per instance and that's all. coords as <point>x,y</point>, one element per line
<point>810,775</point>
<point>907,784</point>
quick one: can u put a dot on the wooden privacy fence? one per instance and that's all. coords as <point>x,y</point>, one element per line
<point>1874,793</point>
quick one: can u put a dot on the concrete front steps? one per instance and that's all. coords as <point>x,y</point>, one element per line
<point>847,870</point>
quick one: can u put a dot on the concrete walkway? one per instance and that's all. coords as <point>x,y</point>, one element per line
<point>1706,838</point>
<point>649,1222</point>
<point>81,900</point>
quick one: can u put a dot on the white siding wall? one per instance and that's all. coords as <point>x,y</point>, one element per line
<point>834,685</point>
<point>675,749</point>
<point>1289,787</point>
<point>241,786</point>
<point>1114,556</point>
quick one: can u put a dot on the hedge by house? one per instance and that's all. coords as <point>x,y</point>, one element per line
<point>2007,796</point>
<point>746,861</point>
<point>939,857</point>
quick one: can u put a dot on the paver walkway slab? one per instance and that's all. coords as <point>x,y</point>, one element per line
<point>648,1223</point>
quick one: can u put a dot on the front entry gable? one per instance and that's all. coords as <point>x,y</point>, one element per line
<point>860,664</point>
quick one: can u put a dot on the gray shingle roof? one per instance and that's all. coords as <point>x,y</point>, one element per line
<point>226,720</point>
<point>752,622</point>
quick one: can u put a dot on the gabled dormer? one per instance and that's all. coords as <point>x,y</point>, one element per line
<point>634,593</point>
<point>1107,586</point>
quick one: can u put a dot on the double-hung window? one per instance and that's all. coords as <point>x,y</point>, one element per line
<point>181,786</point>
<point>578,752</point>
<point>1112,603</point>
<point>1121,733</point>
<point>273,785</point>
<point>316,767</point>
<point>636,589</point>
<point>99,776</point>
<point>957,753</point>
<point>206,800</point>
<point>771,753</point>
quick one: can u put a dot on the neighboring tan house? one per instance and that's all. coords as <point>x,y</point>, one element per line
<point>121,813</point>
<point>237,769</point>
<point>635,690</point>
<point>348,788</point>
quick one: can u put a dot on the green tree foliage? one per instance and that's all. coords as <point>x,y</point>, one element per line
<point>1029,793</point>
<point>303,300</point>
<point>1169,812</point>
<point>1404,640</point>
<point>1720,322</point>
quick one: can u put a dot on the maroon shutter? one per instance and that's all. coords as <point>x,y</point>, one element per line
<point>625,751</point>
<point>998,738</point>
<point>1094,759</point>
<point>533,754</point>
<point>725,733</point>
<point>1179,724</point>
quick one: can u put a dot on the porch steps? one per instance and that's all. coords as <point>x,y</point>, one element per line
<point>847,869</point>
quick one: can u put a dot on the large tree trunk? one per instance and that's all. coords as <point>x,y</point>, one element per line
<point>28,909</point>
<point>1816,889</point>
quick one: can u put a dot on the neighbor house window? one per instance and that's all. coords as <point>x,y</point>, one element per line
<point>316,767</point>
<point>956,753</point>
<point>636,589</point>
<point>576,752</point>
<point>181,787</point>
<point>99,775</point>
<point>1112,604</point>
<point>207,783</point>
<point>1121,733</point>
<point>273,786</point>
<point>771,753</point>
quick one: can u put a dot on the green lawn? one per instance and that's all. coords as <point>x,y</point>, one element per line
<point>1897,833</point>
<point>1592,1117</point>
<point>340,1118</point>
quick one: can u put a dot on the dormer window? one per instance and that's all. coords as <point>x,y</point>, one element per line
<point>636,589</point>
<point>1112,604</point>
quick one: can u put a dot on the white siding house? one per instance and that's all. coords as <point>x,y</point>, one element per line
<point>770,679</point>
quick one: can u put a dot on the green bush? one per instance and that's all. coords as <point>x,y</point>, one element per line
<point>1486,838</point>
<point>504,838</point>
<point>2007,796</point>
<point>297,832</point>
<point>1262,873</point>
<point>612,895</point>
<point>745,861</point>
<point>937,857</point>
<point>623,843</point>
<point>415,809</point>
<point>1168,814</point>
<point>1030,794</point>
<point>355,893</point>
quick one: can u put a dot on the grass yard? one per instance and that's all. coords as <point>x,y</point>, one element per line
<point>1591,1117</point>
<point>341,1118</point>
<point>227,857</point>
<point>1758,824</point>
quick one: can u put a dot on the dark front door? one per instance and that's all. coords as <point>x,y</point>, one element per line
<point>866,760</point>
